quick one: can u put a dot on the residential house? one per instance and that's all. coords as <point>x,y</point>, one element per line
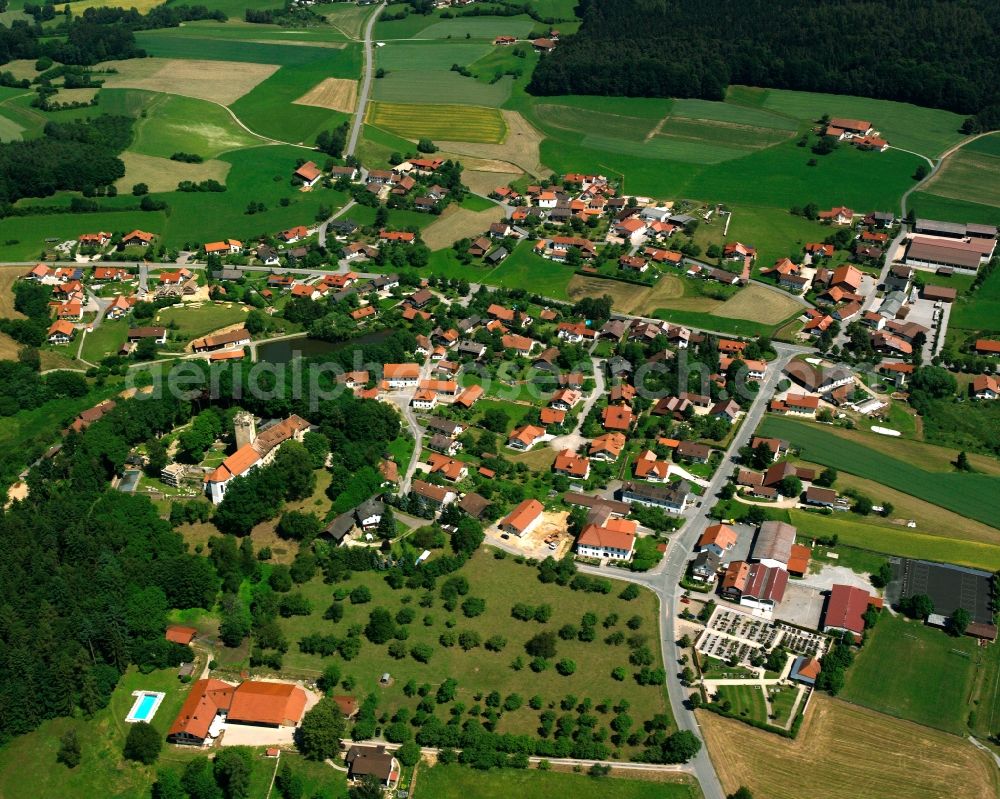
<point>436,495</point>
<point>106,274</point>
<point>525,437</point>
<point>718,539</point>
<point>401,375</point>
<point>60,332</point>
<point>614,540</point>
<point>119,307</point>
<point>985,387</point>
<point>617,417</point>
<point>400,236</point>
<point>648,467</point>
<point>222,341</point>
<point>607,447</point>
<point>452,470</point>
<point>823,497</point>
<point>726,409</point>
<point>672,497</point>
<point>796,404</point>
<point>372,761</point>
<point>568,463</point>
<point>135,334</point>
<point>705,567</point>
<point>693,452</point>
<point>137,238</point>
<point>841,215</point>
<point>227,247</point>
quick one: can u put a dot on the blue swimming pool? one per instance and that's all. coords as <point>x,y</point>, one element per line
<point>144,710</point>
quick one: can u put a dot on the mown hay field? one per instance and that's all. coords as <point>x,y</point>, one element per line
<point>968,175</point>
<point>458,223</point>
<point>221,82</point>
<point>437,122</point>
<point>847,752</point>
<point>337,94</point>
<point>625,296</point>
<point>520,147</point>
<point>759,304</point>
<point>162,174</point>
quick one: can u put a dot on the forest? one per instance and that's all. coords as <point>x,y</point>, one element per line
<point>936,53</point>
<point>74,156</point>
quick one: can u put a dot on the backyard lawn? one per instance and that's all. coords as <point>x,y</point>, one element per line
<point>193,320</point>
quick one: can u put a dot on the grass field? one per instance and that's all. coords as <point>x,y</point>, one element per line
<point>501,583</point>
<point>521,147</point>
<point>626,296</point>
<point>459,782</point>
<point>972,174</point>
<point>847,752</point>
<point>192,321</point>
<point>162,174</point>
<point>523,269</point>
<point>979,311</point>
<point>773,231</point>
<point>966,494</point>
<point>405,85</point>
<point>915,672</point>
<point>747,701</point>
<point>937,207</point>
<point>439,122</point>
<point>348,18</point>
<point>217,82</point>
<point>182,124</point>
<point>926,130</point>
<point>458,223</point>
<point>104,340</point>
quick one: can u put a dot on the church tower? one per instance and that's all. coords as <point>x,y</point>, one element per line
<point>246,428</point>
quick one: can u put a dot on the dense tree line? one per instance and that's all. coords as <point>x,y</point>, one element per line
<point>938,53</point>
<point>87,575</point>
<point>70,156</point>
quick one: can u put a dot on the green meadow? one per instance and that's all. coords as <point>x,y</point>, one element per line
<point>172,124</point>
<point>968,494</point>
<point>460,782</point>
<point>915,672</point>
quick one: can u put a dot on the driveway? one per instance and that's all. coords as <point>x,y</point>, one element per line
<point>574,440</point>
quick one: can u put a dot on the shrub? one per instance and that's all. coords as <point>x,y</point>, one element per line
<point>143,743</point>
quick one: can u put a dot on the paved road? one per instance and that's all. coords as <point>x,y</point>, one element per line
<point>366,84</point>
<point>665,579</point>
<point>401,399</point>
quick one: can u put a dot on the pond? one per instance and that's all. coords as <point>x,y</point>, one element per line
<point>288,349</point>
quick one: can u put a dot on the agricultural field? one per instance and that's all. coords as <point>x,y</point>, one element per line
<point>502,583</point>
<point>217,82</point>
<point>337,94</point>
<point>964,493</point>
<point>348,18</point>
<point>439,122</point>
<point>915,672</point>
<point>760,304</point>
<point>459,223</point>
<point>847,752</point>
<point>626,296</point>
<point>937,207</point>
<point>460,782</point>
<point>972,174</point>
<point>163,175</point>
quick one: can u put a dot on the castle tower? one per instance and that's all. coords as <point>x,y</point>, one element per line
<point>245,427</point>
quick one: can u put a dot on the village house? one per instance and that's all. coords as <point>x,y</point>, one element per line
<point>985,387</point>
<point>60,332</point>
<point>437,496</point>
<point>671,497</point>
<point>401,375</point>
<point>568,463</point>
<point>841,215</point>
<point>231,340</point>
<point>523,519</point>
<point>452,470</point>
<point>525,437</point>
<point>614,540</point>
<point>372,761</point>
<point>649,467</point>
<point>607,447</point>
<point>108,274</point>
<point>227,247</point>
<point>309,174</point>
